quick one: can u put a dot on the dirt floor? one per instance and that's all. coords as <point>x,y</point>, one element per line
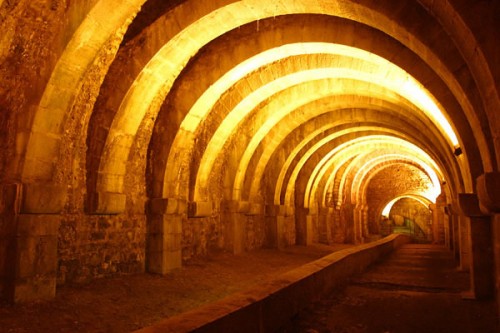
<point>127,303</point>
<point>418,289</point>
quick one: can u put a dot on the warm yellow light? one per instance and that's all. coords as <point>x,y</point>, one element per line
<point>237,115</point>
<point>128,122</point>
<point>352,148</point>
<point>276,109</point>
<point>430,168</point>
<point>380,71</point>
<point>430,193</point>
<point>388,207</point>
<point>151,86</point>
<point>424,100</point>
<point>307,155</point>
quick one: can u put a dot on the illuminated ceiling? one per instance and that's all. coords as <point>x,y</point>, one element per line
<point>268,102</point>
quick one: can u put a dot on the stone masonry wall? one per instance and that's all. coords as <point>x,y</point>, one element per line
<point>389,183</point>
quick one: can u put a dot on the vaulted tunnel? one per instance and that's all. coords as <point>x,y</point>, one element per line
<point>139,134</point>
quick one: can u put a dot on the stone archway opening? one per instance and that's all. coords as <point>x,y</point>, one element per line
<point>410,216</point>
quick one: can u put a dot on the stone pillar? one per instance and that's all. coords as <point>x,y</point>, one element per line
<point>311,226</point>
<point>450,230</point>
<point>338,228</point>
<point>323,228</point>
<point>455,227</point>
<point>234,214</point>
<point>36,257</point>
<point>163,251</point>
<point>106,203</point>
<point>496,252</point>
<point>464,240</point>
<point>434,218</point>
<point>275,219</point>
<point>302,224</point>
<point>364,221</point>
<point>488,191</point>
<point>357,224</point>
<point>437,223</point>
<point>447,229</point>
<point>32,259</point>
<point>235,222</point>
<point>482,277</point>
<point>329,225</point>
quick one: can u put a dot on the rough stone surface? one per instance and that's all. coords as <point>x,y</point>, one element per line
<point>125,303</point>
<point>91,140</point>
<point>390,183</point>
<point>412,291</point>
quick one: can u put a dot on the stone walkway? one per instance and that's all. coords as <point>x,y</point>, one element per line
<point>127,303</point>
<point>417,289</point>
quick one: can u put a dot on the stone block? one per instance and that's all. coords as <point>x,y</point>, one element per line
<point>482,268</point>
<point>200,209</point>
<point>172,242</point>
<point>155,224</point>
<point>37,225</point>
<point>254,209</point>
<point>236,206</point>
<point>35,168</point>
<point>4,253</point>
<point>281,241</point>
<point>166,226</point>
<point>36,257</point>
<point>11,198</point>
<point>26,257</point>
<point>154,262</point>
<point>289,211</point>
<point>173,226</point>
<point>46,263</point>
<point>155,243</point>
<point>172,260</point>
<point>469,205</point>
<point>163,262</point>
<point>34,289</point>
<point>44,147</point>
<point>167,206</point>
<point>488,192</point>
<point>310,221</point>
<point>164,245</point>
<point>43,199</point>
<point>275,210</point>
<point>312,210</point>
<point>107,203</point>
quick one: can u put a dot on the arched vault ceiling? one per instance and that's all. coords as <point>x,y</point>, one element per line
<point>338,94</point>
<point>364,173</point>
<point>317,132</point>
<point>273,82</point>
<point>277,108</point>
<point>337,152</point>
<point>123,129</point>
<point>345,151</point>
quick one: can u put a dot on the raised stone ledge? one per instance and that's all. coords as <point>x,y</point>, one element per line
<point>169,206</point>
<point>488,192</point>
<point>469,205</point>
<point>235,206</point>
<point>268,306</point>
<point>254,209</point>
<point>42,199</point>
<point>289,211</point>
<point>107,203</point>
<point>200,209</point>
<point>275,210</point>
